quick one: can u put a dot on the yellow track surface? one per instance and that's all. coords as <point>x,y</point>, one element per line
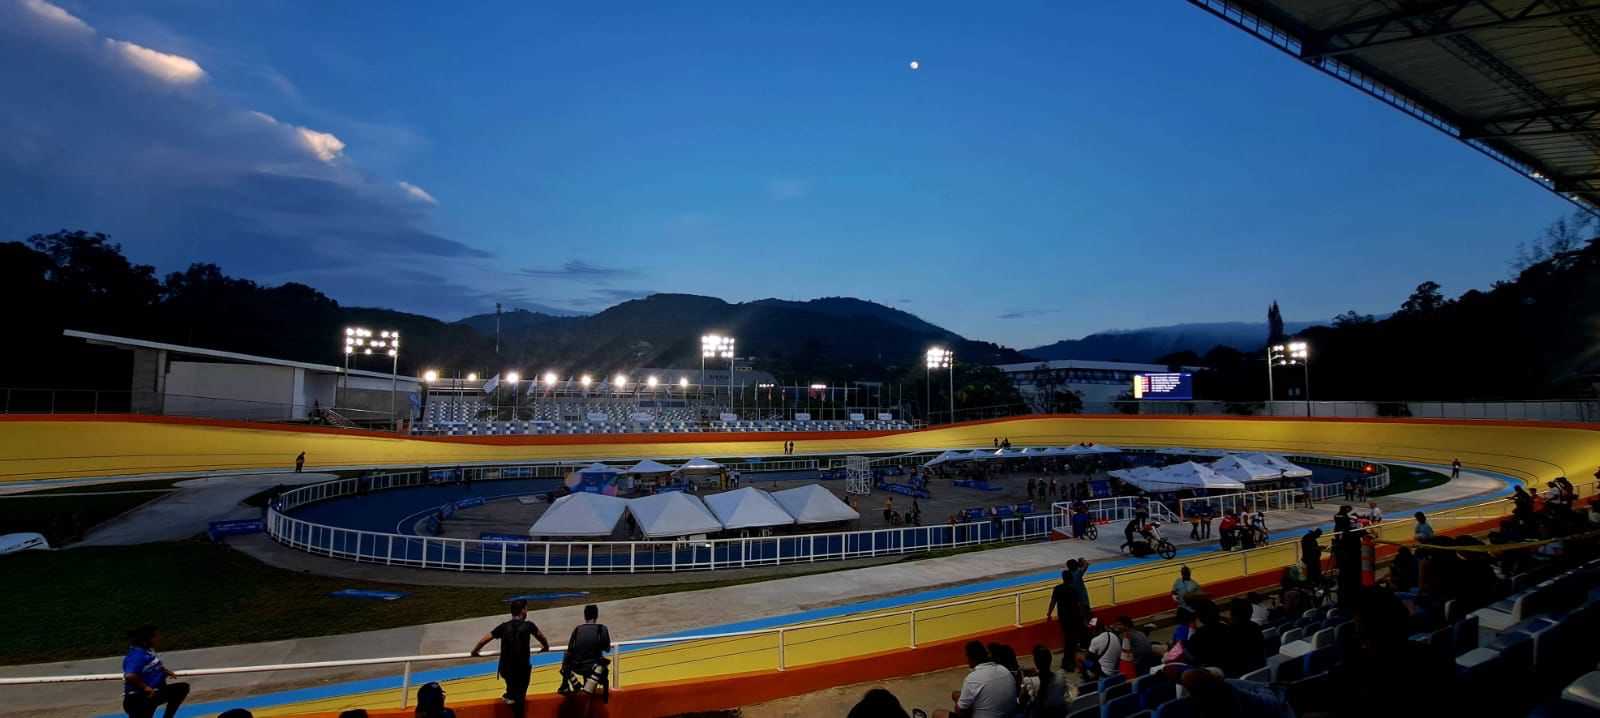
<point>45,449</point>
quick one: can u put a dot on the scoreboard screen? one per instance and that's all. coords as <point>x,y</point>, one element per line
<point>1170,386</point>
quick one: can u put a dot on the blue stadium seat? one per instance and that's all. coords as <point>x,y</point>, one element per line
<point>1114,691</point>
<point>1108,682</point>
<point>1083,702</point>
<point>1180,708</point>
<point>1120,707</point>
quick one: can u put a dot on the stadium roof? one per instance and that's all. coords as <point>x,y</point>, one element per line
<point>1518,80</point>
<point>131,343</point>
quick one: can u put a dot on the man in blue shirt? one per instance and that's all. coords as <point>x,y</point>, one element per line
<point>144,677</point>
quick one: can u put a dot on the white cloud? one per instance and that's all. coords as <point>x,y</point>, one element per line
<point>56,15</point>
<point>324,145</point>
<point>175,69</point>
<point>417,193</point>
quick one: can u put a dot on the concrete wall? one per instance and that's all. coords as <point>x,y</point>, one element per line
<point>230,391</point>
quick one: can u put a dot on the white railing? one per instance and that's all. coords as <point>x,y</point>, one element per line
<point>590,557</point>
<point>1007,609</point>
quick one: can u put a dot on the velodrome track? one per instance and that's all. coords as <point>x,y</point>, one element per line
<point>730,671</point>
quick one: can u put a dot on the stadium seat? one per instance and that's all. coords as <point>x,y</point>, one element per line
<point>1114,691</point>
<point>1585,691</point>
<point>1083,702</point>
<point>1119,707</point>
<point>1180,708</point>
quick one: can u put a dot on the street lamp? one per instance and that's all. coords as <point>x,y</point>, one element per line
<point>941,358</point>
<point>1290,354</point>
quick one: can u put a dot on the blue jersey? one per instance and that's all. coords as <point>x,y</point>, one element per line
<point>144,663</point>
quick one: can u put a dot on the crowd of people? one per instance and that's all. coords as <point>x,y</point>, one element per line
<point>147,683</point>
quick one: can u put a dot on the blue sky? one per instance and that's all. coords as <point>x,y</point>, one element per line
<point>1052,169</point>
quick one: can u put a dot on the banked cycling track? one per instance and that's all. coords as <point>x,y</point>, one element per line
<point>704,674</point>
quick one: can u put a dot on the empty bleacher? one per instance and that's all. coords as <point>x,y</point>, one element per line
<point>454,415</point>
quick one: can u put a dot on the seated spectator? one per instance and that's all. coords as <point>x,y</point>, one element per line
<point>1006,658</point>
<point>1136,647</point>
<point>988,690</point>
<point>1260,613</point>
<point>430,702</point>
<point>878,703</point>
<point>1245,642</point>
<point>1105,650</point>
<point>1403,571</point>
<point>1213,696</point>
<point>1048,690</point>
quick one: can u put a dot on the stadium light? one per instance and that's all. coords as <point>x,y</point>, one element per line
<point>550,378</point>
<point>1290,354</point>
<point>359,340</point>
<point>512,378</point>
<point>472,376</point>
<point>430,376</point>
<point>716,346</point>
<point>652,382</point>
<point>819,387</point>
<point>585,380</point>
<point>940,358</point>
<point>619,381</point>
<point>683,383</point>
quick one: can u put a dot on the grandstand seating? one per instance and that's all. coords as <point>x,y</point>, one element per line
<point>455,415</point>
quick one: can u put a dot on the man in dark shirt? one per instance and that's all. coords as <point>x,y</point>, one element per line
<point>587,647</point>
<point>1065,602</point>
<point>514,636</point>
<point>1311,556</point>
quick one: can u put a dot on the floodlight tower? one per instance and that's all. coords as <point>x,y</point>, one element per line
<point>716,346</point>
<point>1290,354</point>
<point>941,358</point>
<point>359,340</point>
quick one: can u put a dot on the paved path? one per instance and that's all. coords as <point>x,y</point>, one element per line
<point>629,618</point>
<point>186,512</point>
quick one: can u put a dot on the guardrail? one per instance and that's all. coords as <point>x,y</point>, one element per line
<point>810,643</point>
<point>590,557</point>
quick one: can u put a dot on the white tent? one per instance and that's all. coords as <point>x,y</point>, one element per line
<point>747,508</point>
<point>1102,449</point>
<point>672,514</point>
<point>580,514</point>
<point>1241,469</point>
<point>1187,475</point>
<point>946,457</point>
<point>699,464</point>
<point>1182,451</point>
<point>1290,470</point>
<point>813,504</point>
<point>649,466</point>
<point>599,468</point>
<point>1133,474</point>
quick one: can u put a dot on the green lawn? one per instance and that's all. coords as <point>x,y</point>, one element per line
<point>1410,478</point>
<point>81,602</point>
<point>65,514</point>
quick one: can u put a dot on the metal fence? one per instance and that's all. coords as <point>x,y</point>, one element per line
<point>588,557</point>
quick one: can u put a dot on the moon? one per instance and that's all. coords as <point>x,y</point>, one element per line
<point>915,64</point>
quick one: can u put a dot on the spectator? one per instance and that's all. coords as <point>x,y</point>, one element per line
<point>1228,531</point>
<point>1245,644</point>
<point>988,690</point>
<point>430,702</point>
<point>300,462</point>
<point>1185,588</point>
<point>144,677</point>
<point>1423,531</point>
<point>1064,603</point>
<point>1105,650</point>
<point>1213,696</point>
<point>1343,521</point>
<point>1079,568</point>
<point>586,648</point>
<point>878,703</point>
<point>1311,556</point>
<point>1136,646</point>
<point>1260,614</point>
<point>1181,630</point>
<point>515,636</point>
<point>1403,571</point>
<point>1374,514</point>
<point>1455,469</point>
<point>1051,694</point>
<point>1382,652</point>
<point>1080,520</point>
<point>1006,658</point>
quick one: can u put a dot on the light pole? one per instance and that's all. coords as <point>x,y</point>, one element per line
<point>941,358</point>
<point>716,346</point>
<point>1290,354</point>
<point>359,340</point>
<point>512,378</point>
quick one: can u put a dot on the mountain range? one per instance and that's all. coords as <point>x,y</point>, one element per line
<point>1146,345</point>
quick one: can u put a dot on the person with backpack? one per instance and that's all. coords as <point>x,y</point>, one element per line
<point>585,658</point>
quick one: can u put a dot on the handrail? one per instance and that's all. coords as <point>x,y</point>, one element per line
<point>1469,512</point>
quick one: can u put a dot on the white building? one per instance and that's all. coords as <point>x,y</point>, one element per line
<point>1095,382</point>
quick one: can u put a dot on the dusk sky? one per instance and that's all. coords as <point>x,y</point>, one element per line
<point>1052,169</point>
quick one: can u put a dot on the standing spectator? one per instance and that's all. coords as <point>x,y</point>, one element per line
<point>1207,513</point>
<point>515,636</point>
<point>1030,488</point>
<point>1403,571</point>
<point>1080,568</point>
<point>1423,532</point>
<point>1455,468</point>
<point>1080,520</point>
<point>1184,588</point>
<point>586,649</point>
<point>300,462</point>
<point>1055,488</point>
<point>988,690</point>
<point>144,677</point>
<point>430,702</point>
<point>1065,605</point>
<point>1343,521</point>
<point>1311,556</point>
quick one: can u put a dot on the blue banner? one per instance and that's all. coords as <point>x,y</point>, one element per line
<point>368,594</point>
<point>218,529</point>
<point>469,503</point>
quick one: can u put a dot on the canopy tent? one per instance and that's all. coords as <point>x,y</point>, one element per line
<point>1242,469</point>
<point>947,457</point>
<point>1101,449</point>
<point>1187,475</point>
<point>649,466</point>
<point>748,507</point>
<point>599,468</point>
<point>672,514</point>
<point>581,514</point>
<point>813,504</point>
<point>1008,454</point>
<point>1290,470</point>
<point>699,464</point>
<point>1130,475</point>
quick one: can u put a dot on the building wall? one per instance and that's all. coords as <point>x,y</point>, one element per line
<point>230,391</point>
